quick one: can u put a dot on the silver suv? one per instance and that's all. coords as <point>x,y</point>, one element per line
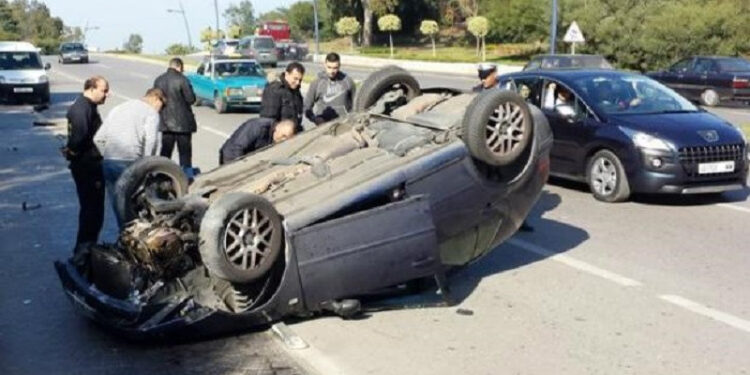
<point>259,47</point>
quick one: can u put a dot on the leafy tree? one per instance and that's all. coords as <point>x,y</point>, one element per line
<point>242,15</point>
<point>134,44</point>
<point>430,28</point>
<point>301,19</point>
<point>179,49</point>
<point>30,21</point>
<point>479,27</point>
<point>383,7</point>
<point>348,26</point>
<point>389,23</point>
<point>279,13</point>
<point>72,34</point>
<point>8,23</point>
<point>517,21</point>
<point>234,31</point>
<point>208,34</point>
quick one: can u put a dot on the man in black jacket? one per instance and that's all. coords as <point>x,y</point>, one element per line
<point>253,135</point>
<point>282,99</point>
<point>177,120</point>
<point>86,161</point>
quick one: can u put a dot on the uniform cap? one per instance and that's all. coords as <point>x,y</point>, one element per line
<point>485,69</point>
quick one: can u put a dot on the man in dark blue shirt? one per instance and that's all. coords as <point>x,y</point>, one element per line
<point>253,135</point>
<point>85,160</point>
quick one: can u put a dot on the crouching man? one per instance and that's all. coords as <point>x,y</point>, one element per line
<point>253,135</point>
<point>130,132</point>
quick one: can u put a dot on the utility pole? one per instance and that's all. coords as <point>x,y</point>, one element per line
<point>184,17</point>
<point>216,11</point>
<point>86,29</point>
<point>317,40</point>
<point>553,28</point>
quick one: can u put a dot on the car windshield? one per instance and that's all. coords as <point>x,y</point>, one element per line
<point>263,43</point>
<point>239,69</point>
<point>734,65</point>
<point>630,94</point>
<point>71,47</point>
<point>20,61</point>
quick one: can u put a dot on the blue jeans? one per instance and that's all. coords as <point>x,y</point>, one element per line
<point>112,170</point>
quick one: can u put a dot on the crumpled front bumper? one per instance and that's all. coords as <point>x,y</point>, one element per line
<point>177,317</point>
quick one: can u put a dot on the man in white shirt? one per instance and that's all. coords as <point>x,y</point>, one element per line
<point>130,132</point>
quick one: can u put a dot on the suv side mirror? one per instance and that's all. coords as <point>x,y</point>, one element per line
<point>47,66</point>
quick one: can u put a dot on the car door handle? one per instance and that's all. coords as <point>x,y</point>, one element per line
<point>423,262</point>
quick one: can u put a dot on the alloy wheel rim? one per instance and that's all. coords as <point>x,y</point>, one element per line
<point>504,129</point>
<point>247,238</point>
<point>604,176</point>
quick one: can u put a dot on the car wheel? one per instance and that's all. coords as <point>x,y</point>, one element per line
<point>606,177</point>
<point>219,104</point>
<point>498,127</point>
<point>150,177</point>
<point>393,81</point>
<point>710,98</point>
<point>241,237</point>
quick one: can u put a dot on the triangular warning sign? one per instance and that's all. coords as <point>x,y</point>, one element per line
<point>574,34</point>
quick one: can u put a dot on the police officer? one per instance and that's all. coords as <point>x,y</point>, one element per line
<point>85,161</point>
<point>487,73</point>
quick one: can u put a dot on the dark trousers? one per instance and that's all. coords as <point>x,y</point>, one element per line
<point>89,181</point>
<point>184,147</point>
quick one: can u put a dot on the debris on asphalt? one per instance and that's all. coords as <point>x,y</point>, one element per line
<point>466,312</point>
<point>28,207</point>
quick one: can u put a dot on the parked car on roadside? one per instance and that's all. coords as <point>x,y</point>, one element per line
<point>560,61</point>
<point>710,80</point>
<point>73,52</point>
<point>625,133</point>
<point>411,182</point>
<point>228,83</point>
<point>262,48</point>
<point>225,47</point>
<point>23,77</point>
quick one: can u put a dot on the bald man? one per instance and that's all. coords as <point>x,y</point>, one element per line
<point>253,135</point>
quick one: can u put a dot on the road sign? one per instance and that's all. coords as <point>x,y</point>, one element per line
<point>574,34</point>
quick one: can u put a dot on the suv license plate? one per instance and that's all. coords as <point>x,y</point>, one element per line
<point>717,167</point>
<point>23,89</point>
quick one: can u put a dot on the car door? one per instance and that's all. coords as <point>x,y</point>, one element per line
<point>199,82</point>
<point>675,77</point>
<point>573,128</point>
<point>366,251</point>
<point>710,76</point>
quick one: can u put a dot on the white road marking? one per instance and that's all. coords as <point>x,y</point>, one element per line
<point>215,131</point>
<point>577,264</point>
<point>714,314</point>
<point>76,78</point>
<point>733,207</point>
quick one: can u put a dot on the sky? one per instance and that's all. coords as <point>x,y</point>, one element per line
<point>117,19</point>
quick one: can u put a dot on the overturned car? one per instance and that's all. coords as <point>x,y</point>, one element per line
<point>411,183</point>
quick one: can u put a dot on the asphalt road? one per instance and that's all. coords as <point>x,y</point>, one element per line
<point>658,285</point>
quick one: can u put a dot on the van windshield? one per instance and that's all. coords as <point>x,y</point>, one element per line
<point>20,61</point>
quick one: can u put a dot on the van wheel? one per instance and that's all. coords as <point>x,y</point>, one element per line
<point>606,177</point>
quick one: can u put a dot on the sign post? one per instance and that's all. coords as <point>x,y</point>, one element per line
<point>573,36</point>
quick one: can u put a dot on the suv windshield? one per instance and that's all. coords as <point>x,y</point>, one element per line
<point>630,94</point>
<point>238,69</point>
<point>20,61</point>
<point>263,43</point>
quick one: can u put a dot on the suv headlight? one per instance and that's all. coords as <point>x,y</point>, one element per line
<point>648,141</point>
<point>43,78</point>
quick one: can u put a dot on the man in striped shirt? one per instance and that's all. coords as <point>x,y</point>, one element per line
<point>130,132</point>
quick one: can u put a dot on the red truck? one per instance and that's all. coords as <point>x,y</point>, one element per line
<point>287,49</point>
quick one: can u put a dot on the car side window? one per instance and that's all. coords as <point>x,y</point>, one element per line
<point>528,88</point>
<point>507,84</point>
<point>682,66</point>
<point>704,66</point>
<point>561,100</point>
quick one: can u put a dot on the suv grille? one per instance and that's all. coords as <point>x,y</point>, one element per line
<point>690,157</point>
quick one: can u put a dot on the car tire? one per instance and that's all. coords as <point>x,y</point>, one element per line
<point>710,98</point>
<point>150,176</point>
<point>85,61</point>
<point>382,81</point>
<point>219,104</point>
<point>606,177</point>
<point>498,128</point>
<point>241,237</point>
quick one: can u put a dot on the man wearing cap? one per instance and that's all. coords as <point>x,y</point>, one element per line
<point>487,75</point>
